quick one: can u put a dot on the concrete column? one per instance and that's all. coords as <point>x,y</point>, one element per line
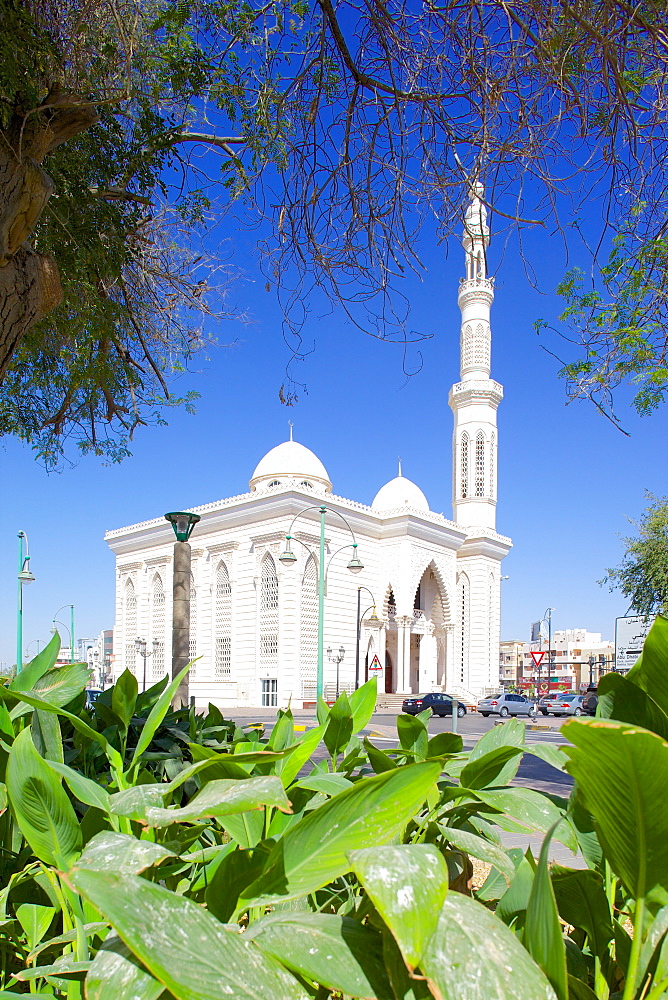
<point>181,619</point>
<point>449,656</point>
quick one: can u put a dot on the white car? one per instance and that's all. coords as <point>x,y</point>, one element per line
<point>506,704</point>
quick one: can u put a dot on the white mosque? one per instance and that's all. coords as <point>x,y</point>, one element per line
<point>435,583</point>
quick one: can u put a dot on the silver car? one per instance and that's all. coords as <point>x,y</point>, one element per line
<point>562,704</point>
<point>506,704</point>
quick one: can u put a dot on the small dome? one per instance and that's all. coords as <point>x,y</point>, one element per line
<point>290,461</point>
<point>400,492</point>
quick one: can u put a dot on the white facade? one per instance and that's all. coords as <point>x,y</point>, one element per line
<point>436,582</point>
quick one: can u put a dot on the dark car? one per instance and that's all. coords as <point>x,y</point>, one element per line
<point>440,704</point>
<point>590,700</point>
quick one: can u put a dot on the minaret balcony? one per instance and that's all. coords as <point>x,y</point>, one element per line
<point>475,288</point>
<point>475,391</point>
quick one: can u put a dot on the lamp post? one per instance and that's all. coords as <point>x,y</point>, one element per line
<point>336,658</point>
<point>140,646</point>
<point>183,523</point>
<point>24,576</point>
<point>55,622</point>
<point>71,607</point>
<point>288,558</point>
<point>32,641</point>
<point>374,618</point>
<point>592,661</point>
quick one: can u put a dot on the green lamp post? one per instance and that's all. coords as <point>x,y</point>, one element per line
<point>72,640</point>
<point>24,577</point>
<point>288,558</point>
<point>183,523</point>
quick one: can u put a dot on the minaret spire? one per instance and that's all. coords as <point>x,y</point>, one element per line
<point>474,399</point>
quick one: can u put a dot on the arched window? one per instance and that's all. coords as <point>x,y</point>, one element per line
<point>130,609</point>
<point>492,467</point>
<point>158,627</point>
<point>268,613</point>
<point>223,643</point>
<point>462,657</point>
<point>308,630</point>
<point>192,644</point>
<point>275,482</point>
<point>268,585</point>
<point>480,464</point>
<point>464,466</point>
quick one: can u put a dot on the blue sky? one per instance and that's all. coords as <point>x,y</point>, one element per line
<point>568,479</point>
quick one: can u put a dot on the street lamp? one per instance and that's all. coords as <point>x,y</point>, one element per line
<point>24,576</point>
<point>140,646</point>
<point>374,618</point>
<point>55,622</point>
<point>288,558</point>
<point>336,658</point>
<point>71,607</point>
<point>183,522</point>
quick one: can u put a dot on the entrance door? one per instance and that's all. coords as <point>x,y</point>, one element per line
<point>389,686</point>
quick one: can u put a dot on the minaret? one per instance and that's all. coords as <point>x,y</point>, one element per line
<point>474,400</point>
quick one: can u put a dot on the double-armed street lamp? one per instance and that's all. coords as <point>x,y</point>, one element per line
<point>183,523</point>
<point>360,615</point>
<point>56,621</point>
<point>24,576</point>
<point>140,646</point>
<point>288,558</point>
<point>336,658</point>
<point>53,628</point>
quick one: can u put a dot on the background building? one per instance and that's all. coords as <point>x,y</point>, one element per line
<point>576,656</point>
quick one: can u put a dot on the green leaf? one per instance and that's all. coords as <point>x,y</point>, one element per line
<point>65,967</point>
<point>407,885</point>
<point>40,805</point>
<point>511,733</point>
<point>322,712</point>
<point>115,974</point>
<point>223,797</point>
<point>236,870</point>
<point>551,753</point>
<point>582,902</point>
<point>413,735</point>
<point>183,946</point>
<point>31,673</point>
<point>623,701</point>
<point>133,802</point>
<point>363,704</point>
<point>301,752</point>
<point>649,670</point>
<point>57,687</point>
<point>246,828</point>
<point>632,824</point>
<point>542,935</point>
<point>494,768</point>
<point>337,952</point>
<point>379,761</point>
<point>339,727</point>
<point>315,850</point>
<point>35,921</point>
<point>480,848</point>
<point>531,810</point>
<point>158,712</point>
<point>330,784</point>
<point>46,735</point>
<point>444,743</point>
<point>222,765</point>
<point>474,956</point>
<point>118,852</point>
<point>85,790</point>
<point>577,990</point>
<point>124,697</point>
<point>71,935</point>
<point>515,899</point>
<point>282,735</point>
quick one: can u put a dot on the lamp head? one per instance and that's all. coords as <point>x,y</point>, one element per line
<point>355,564</point>
<point>287,557</point>
<point>342,652</point>
<point>183,523</point>
<point>373,617</point>
<point>329,652</point>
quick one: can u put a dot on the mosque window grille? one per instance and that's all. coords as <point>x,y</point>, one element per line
<point>158,627</point>
<point>268,585</point>
<point>492,467</point>
<point>308,631</point>
<point>192,638</point>
<point>268,648</point>
<point>223,624</point>
<point>464,466</point>
<point>480,464</point>
<point>130,601</point>
<point>268,630</point>
<point>462,653</point>
<point>481,347</point>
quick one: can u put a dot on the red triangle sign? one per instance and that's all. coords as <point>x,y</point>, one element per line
<point>537,658</point>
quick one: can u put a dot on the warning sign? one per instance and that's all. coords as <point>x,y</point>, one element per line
<point>537,658</point>
<point>375,665</point>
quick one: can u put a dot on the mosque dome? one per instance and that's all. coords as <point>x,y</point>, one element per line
<point>291,462</point>
<point>400,492</point>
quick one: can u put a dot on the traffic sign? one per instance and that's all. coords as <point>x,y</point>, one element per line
<point>630,634</point>
<point>537,658</point>
<point>375,665</point>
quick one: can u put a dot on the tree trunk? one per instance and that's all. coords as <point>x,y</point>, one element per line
<point>29,281</point>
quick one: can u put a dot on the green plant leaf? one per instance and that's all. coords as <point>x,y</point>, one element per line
<point>632,824</point>
<point>183,946</point>
<point>510,734</point>
<point>337,952</point>
<point>35,921</point>
<point>124,697</point>
<point>87,791</point>
<point>542,935</point>
<point>444,743</point>
<point>31,673</point>
<point>223,797</point>
<point>315,850</point>
<point>236,870</point>
<point>531,810</point>
<point>339,727</point>
<point>363,703</point>
<point>494,768</point>
<point>379,761</point>
<point>246,828</point>
<point>649,670</point>
<point>623,701</point>
<point>65,967</point>
<point>480,848</point>
<point>57,686</point>
<point>115,974</point>
<point>582,902</point>
<point>577,990</point>
<point>283,733</point>
<point>301,752</point>
<point>87,929</point>
<point>46,735</point>
<point>330,784</point>
<point>413,735</point>
<point>133,802</point>
<point>118,852</point>
<point>40,805</point>
<point>407,885</point>
<point>157,714</point>
<point>473,955</point>
<point>515,899</point>
<point>551,753</point>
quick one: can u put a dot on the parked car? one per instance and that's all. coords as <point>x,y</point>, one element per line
<point>92,694</point>
<point>440,704</point>
<point>566,703</point>
<point>590,700</point>
<point>506,704</point>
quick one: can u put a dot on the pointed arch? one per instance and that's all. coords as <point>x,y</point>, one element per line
<point>492,466</point>
<point>462,617</point>
<point>158,627</point>
<point>308,630</point>
<point>268,612</point>
<point>464,466</point>
<point>130,619</point>
<point>480,462</point>
<point>223,623</point>
<point>268,584</point>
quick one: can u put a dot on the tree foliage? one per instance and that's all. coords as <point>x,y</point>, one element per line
<point>642,576</point>
<point>343,131</point>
